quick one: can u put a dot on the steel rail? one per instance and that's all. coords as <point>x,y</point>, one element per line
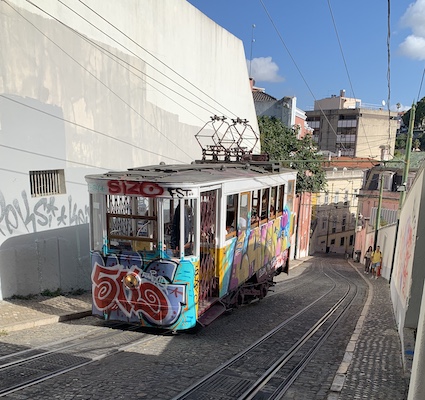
<point>199,384</point>
<point>296,348</point>
<point>45,352</point>
<point>115,350</point>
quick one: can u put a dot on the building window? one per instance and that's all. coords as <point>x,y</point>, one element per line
<point>341,243</point>
<point>326,198</point>
<point>351,240</point>
<point>333,241</point>
<point>47,183</point>
<point>336,197</point>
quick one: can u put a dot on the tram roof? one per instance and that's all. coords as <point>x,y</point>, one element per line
<point>197,172</point>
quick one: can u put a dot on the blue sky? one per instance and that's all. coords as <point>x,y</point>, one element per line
<point>297,47</point>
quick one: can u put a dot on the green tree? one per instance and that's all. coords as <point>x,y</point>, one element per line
<point>416,144</point>
<point>281,143</point>
<point>400,141</point>
<point>419,115</point>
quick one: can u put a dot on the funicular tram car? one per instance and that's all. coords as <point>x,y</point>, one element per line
<point>174,246</point>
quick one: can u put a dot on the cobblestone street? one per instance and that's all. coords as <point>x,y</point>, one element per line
<point>165,365</point>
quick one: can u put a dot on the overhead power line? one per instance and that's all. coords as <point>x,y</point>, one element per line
<point>152,55</point>
<point>87,128</point>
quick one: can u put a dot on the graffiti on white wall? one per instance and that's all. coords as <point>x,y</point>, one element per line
<point>406,250</point>
<point>28,215</point>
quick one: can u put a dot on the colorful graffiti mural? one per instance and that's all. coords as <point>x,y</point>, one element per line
<point>405,260</point>
<point>261,249</point>
<point>163,291</point>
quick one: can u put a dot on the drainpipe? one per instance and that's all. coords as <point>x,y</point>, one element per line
<point>378,211</point>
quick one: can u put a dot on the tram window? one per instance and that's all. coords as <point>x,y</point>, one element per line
<point>168,209</point>
<point>265,199</point>
<point>187,228</point>
<point>281,199</point>
<point>131,223</point>
<point>290,196</point>
<point>96,226</point>
<point>255,204</point>
<point>273,202</point>
<point>244,210</point>
<point>231,215</point>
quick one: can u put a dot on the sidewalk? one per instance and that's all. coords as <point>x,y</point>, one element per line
<point>374,366</point>
<point>18,314</point>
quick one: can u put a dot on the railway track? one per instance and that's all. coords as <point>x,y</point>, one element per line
<point>268,368</point>
<point>20,370</point>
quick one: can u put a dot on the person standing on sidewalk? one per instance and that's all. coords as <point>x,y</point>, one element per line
<point>367,257</point>
<point>376,261</point>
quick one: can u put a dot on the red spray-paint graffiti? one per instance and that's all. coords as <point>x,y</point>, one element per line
<point>155,300</point>
<point>147,189</point>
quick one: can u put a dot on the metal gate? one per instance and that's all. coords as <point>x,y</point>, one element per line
<point>208,281</point>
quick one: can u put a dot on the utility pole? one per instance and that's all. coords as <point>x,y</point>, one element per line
<point>378,211</point>
<point>405,176</point>
<point>407,155</point>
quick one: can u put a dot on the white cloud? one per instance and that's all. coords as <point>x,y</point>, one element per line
<point>414,18</point>
<point>400,107</point>
<point>263,69</point>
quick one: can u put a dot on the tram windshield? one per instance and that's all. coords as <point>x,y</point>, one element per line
<point>144,224</point>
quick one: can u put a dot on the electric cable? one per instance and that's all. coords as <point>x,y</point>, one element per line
<point>87,128</point>
<point>346,69</point>
<point>296,65</point>
<point>96,78</point>
<point>156,58</point>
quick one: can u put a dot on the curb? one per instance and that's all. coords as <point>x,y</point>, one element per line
<point>341,374</point>
<point>46,321</point>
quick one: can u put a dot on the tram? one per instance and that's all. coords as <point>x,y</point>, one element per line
<point>174,246</point>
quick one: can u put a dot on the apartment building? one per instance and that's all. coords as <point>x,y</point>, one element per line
<point>346,127</point>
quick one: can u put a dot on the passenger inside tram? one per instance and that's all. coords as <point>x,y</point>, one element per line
<point>175,231</point>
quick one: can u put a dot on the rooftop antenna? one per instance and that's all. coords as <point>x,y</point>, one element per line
<point>252,41</point>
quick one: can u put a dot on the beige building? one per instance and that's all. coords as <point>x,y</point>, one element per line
<point>335,209</point>
<point>344,126</point>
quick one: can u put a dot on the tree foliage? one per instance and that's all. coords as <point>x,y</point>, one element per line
<point>281,143</point>
<point>419,115</point>
<point>400,141</point>
<point>418,128</point>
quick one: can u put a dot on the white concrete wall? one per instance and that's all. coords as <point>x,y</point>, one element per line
<point>417,385</point>
<point>133,89</point>
<point>408,258</point>
<point>386,240</point>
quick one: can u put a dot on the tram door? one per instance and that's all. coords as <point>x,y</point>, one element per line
<point>208,281</point>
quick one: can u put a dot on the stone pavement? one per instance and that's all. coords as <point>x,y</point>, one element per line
<point>17,314</point>
<point>374,366</point>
